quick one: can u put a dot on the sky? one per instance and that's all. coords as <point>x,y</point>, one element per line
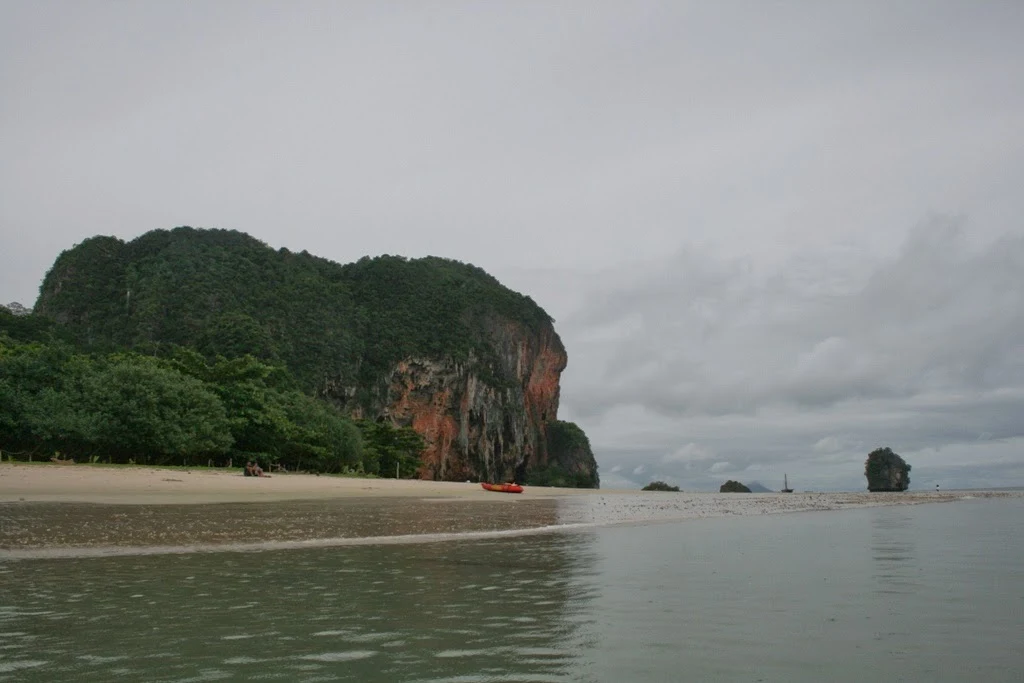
<point>773,235</point>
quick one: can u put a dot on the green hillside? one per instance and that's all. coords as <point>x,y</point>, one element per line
<point>222,292</point>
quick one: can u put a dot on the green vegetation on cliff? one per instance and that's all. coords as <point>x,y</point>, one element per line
<point>222,292</point>
<point>733,487</point>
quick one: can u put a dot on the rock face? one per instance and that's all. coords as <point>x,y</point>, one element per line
<point>886,471</point>
<point>476,427</point>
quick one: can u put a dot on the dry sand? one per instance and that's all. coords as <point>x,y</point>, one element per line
<point>149,486</point>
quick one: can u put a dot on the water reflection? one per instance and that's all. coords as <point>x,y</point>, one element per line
<point>509,609</point>
<point>894,551</point>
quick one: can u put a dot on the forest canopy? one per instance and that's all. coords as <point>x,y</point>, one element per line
<point>224,293</point>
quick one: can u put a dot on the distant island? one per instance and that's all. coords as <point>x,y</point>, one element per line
<point>660,486</point>
<point>191,346</point>
<point>733,487</point>
<point>886,471</point>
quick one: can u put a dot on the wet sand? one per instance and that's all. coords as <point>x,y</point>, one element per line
<point>60,508</point>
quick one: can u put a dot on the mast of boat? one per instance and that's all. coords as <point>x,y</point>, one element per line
<point>785,485</point>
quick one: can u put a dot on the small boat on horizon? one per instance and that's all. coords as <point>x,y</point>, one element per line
<point>502,488</point>
<point>785,485</point>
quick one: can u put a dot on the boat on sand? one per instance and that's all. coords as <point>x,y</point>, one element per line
<point>502,488</point>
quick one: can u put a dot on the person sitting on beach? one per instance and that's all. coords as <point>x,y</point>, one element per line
<point>257,471</point>
<point>249,469</point>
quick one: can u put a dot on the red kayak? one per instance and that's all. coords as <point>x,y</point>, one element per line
<point>503,488</point>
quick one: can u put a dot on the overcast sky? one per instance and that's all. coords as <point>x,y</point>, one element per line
<point>773,235</point>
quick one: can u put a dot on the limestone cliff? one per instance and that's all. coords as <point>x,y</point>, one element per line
<point>430,343</point>
<point>478,426</point>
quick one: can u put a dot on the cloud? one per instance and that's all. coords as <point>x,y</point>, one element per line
<point>689,453</point>
<point>695,336</point>
<point>828,444</point>
<point>639,469</point>
<point>721,467</point>
<point>827,357</point>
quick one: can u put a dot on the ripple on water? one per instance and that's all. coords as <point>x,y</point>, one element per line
<point>18,664</point>
<point>206,675</point>
<point>453,654</point>
<point>99,659</point>
<point>347,656</point>
<point>371,637</point>
<point>248,660</point>
<point>540,652</point>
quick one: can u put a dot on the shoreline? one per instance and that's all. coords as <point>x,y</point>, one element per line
<point>144,485</point>
<point>141,485</point>
<point>53,511</point>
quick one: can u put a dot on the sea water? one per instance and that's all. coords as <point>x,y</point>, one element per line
<point>929,592</point>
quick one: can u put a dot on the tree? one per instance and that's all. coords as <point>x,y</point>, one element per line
<point>388,449</point>
<point>143,409</point>
<point>886,471</point>
<point>659,486</point>
<point>270,420</point>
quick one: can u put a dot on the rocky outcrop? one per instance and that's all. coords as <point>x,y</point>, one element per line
<point>886,471</point>
<point>733,487</point>
<point>480,422</point>
<point>571,462</point>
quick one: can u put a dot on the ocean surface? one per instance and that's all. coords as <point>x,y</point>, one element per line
<point>931,592</point>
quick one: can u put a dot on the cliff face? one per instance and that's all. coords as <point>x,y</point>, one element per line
<point>477,427</point>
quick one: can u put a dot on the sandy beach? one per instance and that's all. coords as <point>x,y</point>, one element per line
<point>149,486</point>
<point>63,507</point>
